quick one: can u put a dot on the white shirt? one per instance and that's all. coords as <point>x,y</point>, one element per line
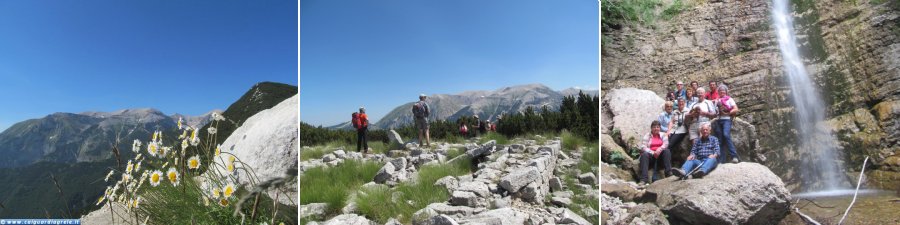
<point>731,104</point>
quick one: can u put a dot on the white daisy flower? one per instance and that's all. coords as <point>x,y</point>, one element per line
<point>212,130</point>
<point>136,146</point>
<point>173,176</point>
<point>228,190</point>
<point>156,177</point>
<point>194,162</point>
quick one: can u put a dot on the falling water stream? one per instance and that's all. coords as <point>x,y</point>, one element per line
<point>820,170</point>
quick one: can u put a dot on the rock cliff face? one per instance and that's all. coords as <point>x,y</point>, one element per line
<point>850,48</point>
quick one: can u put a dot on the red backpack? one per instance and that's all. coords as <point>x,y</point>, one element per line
<point>355,120</point>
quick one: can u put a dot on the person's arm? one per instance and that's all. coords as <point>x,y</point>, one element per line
<point>665,143</point>
<point>715,147</point>
<point>734,109</point>
<point>645,143</point>
<point>694,149</point>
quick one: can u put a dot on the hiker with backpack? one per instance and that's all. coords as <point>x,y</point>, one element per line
<point>361,124</point>
<point>477,127</point>
<point>420,114</point>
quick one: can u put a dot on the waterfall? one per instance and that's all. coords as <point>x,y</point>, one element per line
<point>820,170</point>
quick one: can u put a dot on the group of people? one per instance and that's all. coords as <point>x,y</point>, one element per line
<point>420,110</point>
<point>480,127</point>
<point>690,112</point>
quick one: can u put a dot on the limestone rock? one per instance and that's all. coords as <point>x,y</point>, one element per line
<point>314,210</point>
<point>485,148</point>
<point>502,216</point>
<point>743,193</point>
<point>632,111</point>
<point>395,141</point>
<point>518,179</point>
<point>587,178</point>
<point>569,217</point>
<point>349,219</point>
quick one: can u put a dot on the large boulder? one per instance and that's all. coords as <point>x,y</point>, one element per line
<point>267,142</point>
<point>396,142</point>
<point>743,193</point>
<point>518,179</point>
<point>632,110</point>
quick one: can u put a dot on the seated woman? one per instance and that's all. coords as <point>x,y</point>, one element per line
<point>654,145</point>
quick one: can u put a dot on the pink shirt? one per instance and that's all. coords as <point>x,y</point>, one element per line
<point>655,143</point>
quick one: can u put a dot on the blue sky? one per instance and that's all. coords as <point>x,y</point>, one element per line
<point>184,57</point>
<point>380,54</point>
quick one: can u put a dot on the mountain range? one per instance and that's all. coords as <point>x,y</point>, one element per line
<point>486,104</point>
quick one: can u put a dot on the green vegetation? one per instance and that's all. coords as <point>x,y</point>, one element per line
<point>380,204</point>
<point>501,140</point>
<point>262,96</point>
<point>673,10</point>
<point>29,192</point>
<point>580,198</point>
<point>185,204</point>
<point>570,141</point>
<point>579,115</point>
<point>332,185</point>
<point>590,158</point>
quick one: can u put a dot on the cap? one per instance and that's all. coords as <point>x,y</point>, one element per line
<point>422,95</point>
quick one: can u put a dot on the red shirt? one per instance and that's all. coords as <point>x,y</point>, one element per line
<point>712,95</point>
<point>655,142</point>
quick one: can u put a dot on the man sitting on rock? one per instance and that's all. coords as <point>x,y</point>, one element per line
<point>703,155</point>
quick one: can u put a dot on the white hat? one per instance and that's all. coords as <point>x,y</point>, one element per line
<point>422,95</point>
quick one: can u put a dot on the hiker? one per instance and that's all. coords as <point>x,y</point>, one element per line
<point>713,93</point>
<point>654,145</point>
<point>483,127</point>
<point>665,117</point>
<point>421,113</point>
<point>694,87</point>
<point>494,126</point>
<point>463,130</point>
<point>727,109</point>
<point>703,155</point>
<point>701,112</point>
<point>679,125</point>
<point>361,123</point>
<point>477,127</point>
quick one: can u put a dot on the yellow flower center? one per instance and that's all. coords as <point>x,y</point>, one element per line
<point>194,163</point>
<point>154,178</point>
<point>228,191</point>
<point>173,176</point>
<point>223,202</point>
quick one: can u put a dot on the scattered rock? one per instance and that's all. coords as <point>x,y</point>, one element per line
<point>485,148</point>
<point>328,157</point>
<point>569,217</point>
<point>516,148</point>
<point>647,213</point>
<point>464,198</point>
<point>349,219</point>
<point>587,178</point>
<point>621,190</point>
<point>448,182</point>
<point>502,216</point>
<point>442,220</point>
<point>314,210</point>
<point>556,184</point>
<point>562,202</point>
